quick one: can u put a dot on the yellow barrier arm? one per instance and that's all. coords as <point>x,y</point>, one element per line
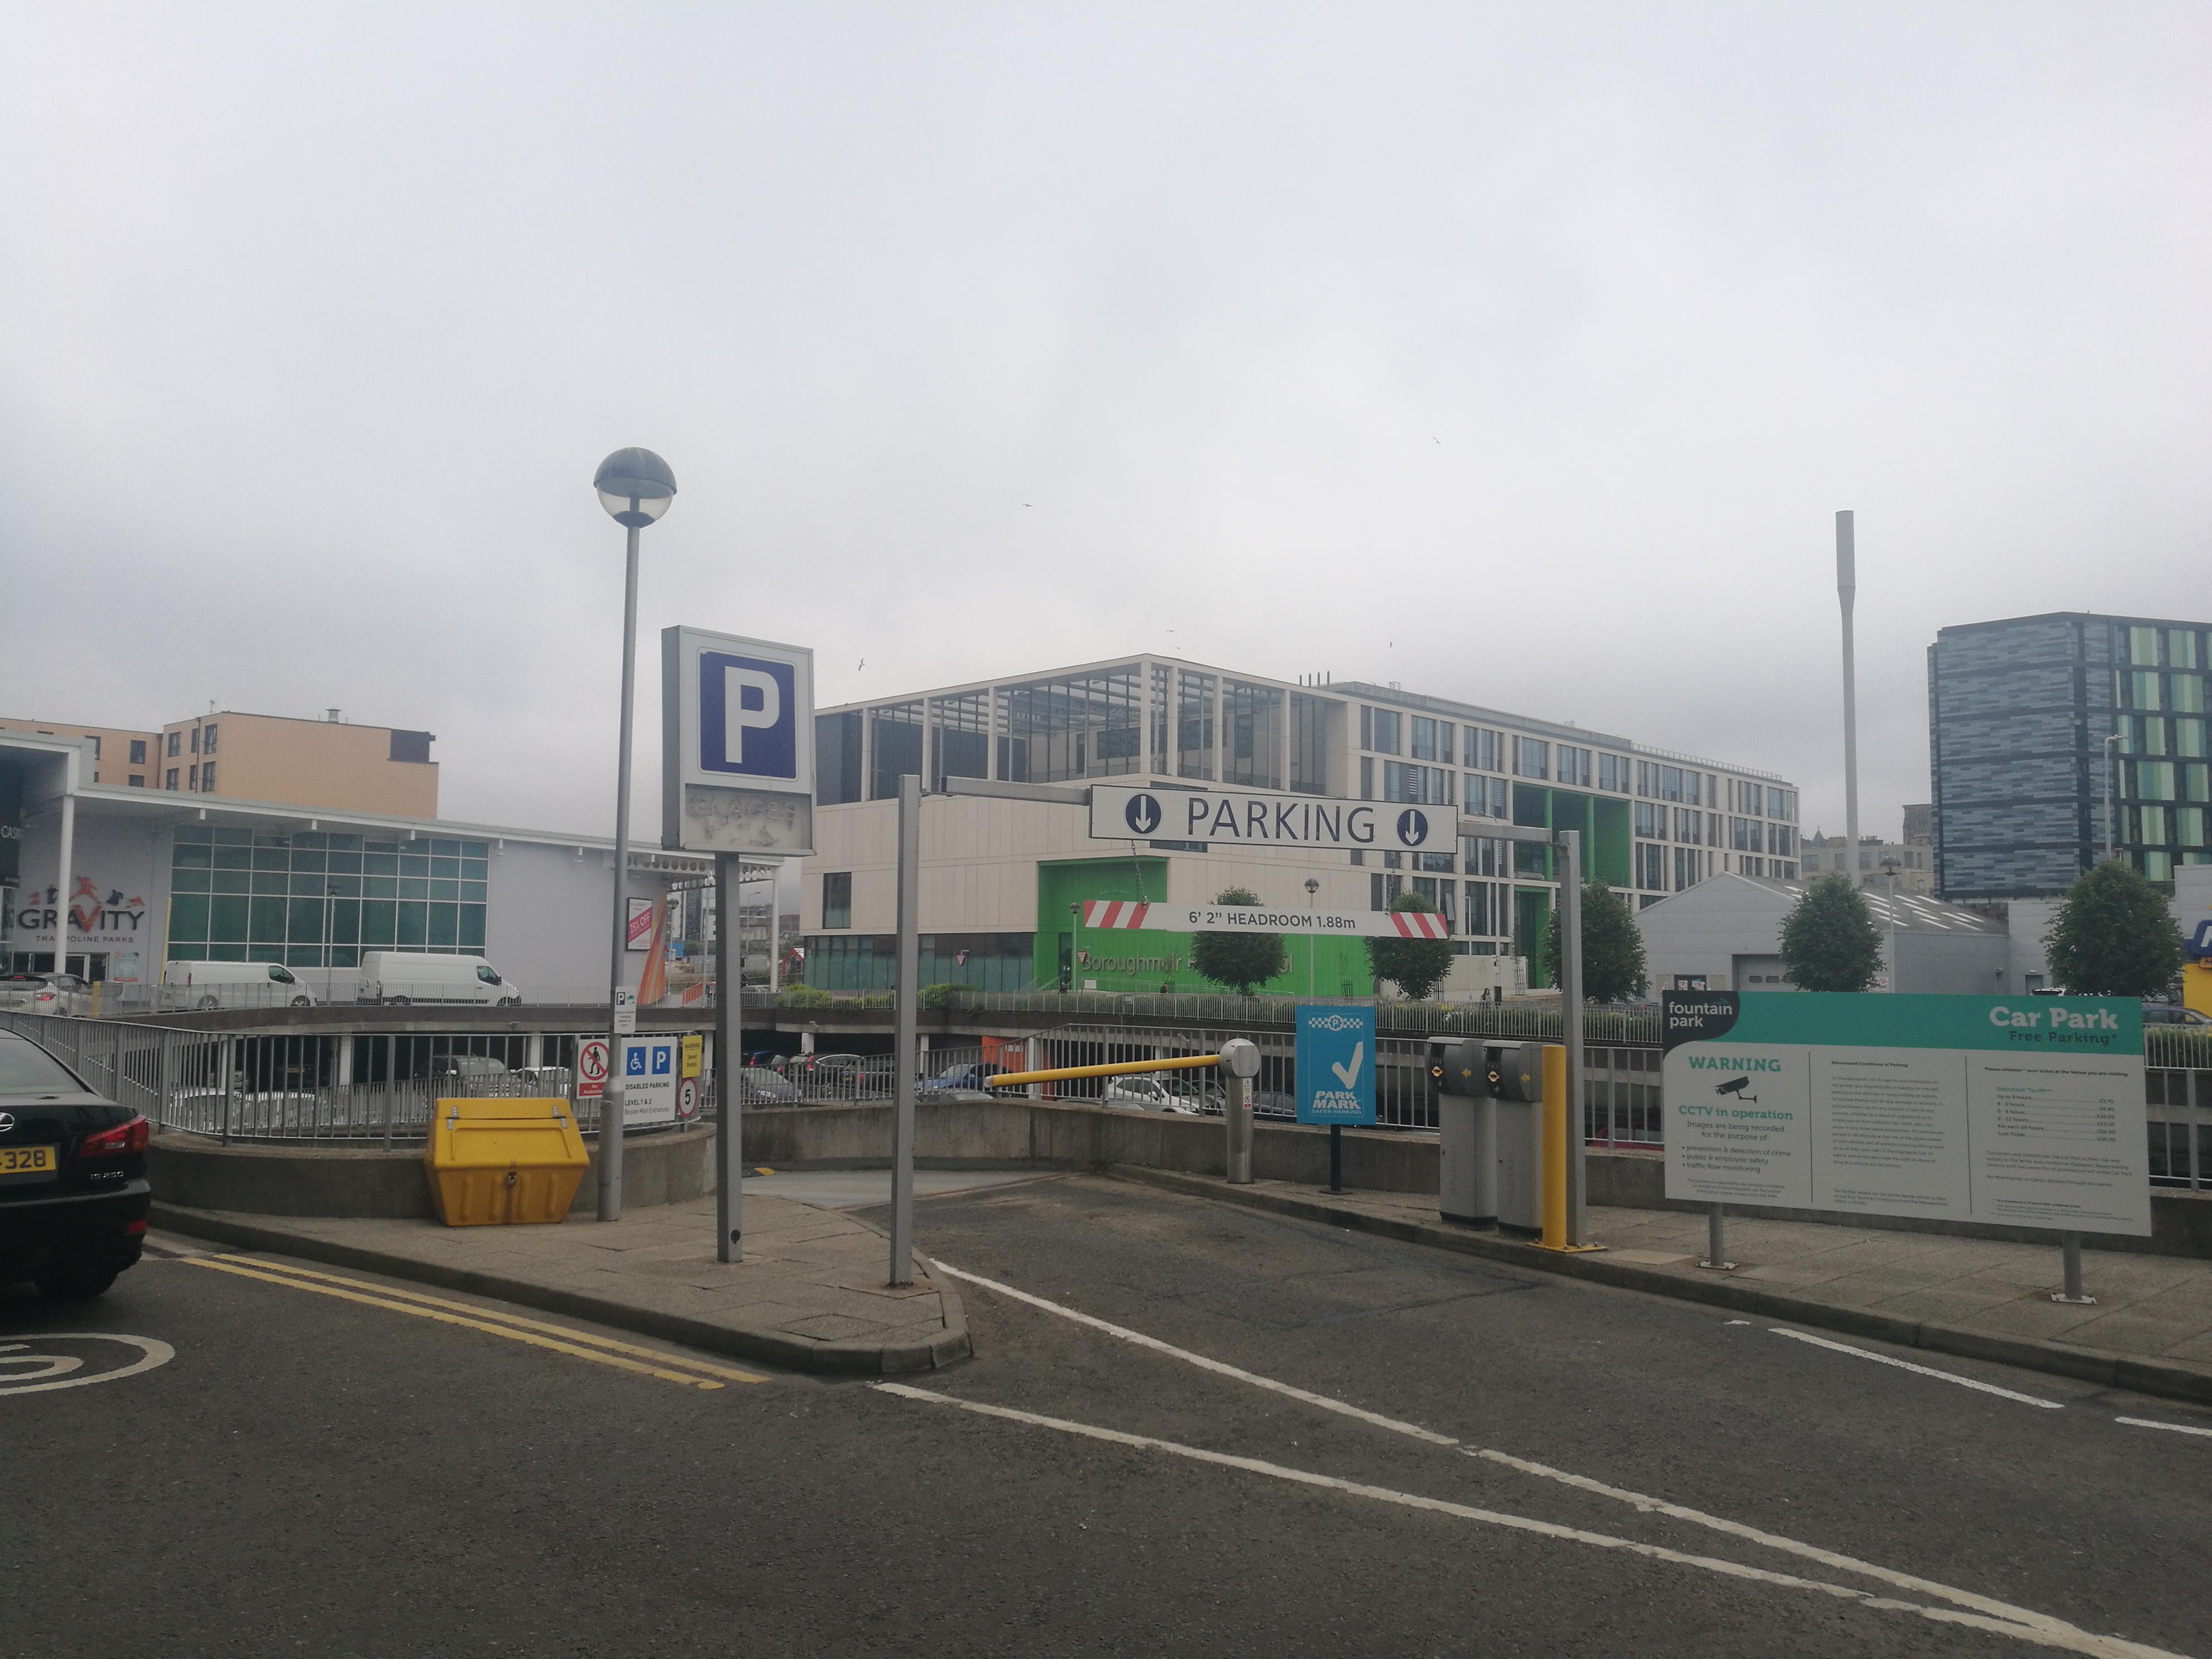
<point>1188,1062</point>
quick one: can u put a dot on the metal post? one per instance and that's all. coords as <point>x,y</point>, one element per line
<point>610,1102</point>
<point>1570,1030</point>
<point>68,860</point>
<point>774,934</point>
<point>904,1048</point>
<point>1237,1110</point>
<point>1717,1240</point>
<point>1847,589</point>
<point>729,1060</point>
<point>1336,1157</point>
<point>1893,928</point>
<point>2070,1251</point>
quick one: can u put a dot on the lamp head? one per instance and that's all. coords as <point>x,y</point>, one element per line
<point>635,486</point>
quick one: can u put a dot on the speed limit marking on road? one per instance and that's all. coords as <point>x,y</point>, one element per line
<point>591,1067</point>
<point>687,1099</point>
<point>24,1371</point>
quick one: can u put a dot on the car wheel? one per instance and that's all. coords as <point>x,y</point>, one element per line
<point>402,1002</point>
<point>76,1281</point>
<point>210,1002</point>
<point>510,1002</point>
<point>303,1002</point>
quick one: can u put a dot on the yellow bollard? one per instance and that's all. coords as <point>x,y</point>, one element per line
<point>1555,1148</point>
<point>1553,1174</point>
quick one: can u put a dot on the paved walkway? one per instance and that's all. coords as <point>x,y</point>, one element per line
<point>811,1292</point>
<point>2151,1329</point>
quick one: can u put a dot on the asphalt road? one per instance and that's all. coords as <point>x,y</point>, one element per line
<point>331,1473</point>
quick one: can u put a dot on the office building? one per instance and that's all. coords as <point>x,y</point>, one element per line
<point>2052,738</point>
<point>1912,862</point>
<point>999,878</point>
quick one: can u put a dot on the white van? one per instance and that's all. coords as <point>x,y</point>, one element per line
<point>232,985</point>
<point>405,977</point>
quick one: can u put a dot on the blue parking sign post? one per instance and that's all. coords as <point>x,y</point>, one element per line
<point>1335,1059</point>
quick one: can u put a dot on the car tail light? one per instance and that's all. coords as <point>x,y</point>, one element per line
<point>43,996</point>
<point>130,1137</point>
<point>131,1227</point>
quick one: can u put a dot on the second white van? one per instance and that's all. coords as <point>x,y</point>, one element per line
<point>232,985</point>
<point>407,976</point>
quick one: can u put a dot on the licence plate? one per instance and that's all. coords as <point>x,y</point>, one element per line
<point>27,1160</point>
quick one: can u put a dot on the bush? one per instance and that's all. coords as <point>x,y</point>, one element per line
<point>803,996</point>
<point>1829,942</point>
<point>2113,936</point>
<point>1415,966</point>
<point>938,996</point>
<point>1243,962</point>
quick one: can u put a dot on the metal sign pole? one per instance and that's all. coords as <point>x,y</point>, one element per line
<point>610,1102</point>
<point>1570,1028</point>
<point>729,1062</point>
<point>904,1057</point>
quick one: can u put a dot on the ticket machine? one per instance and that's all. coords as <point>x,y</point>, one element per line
<point>1489,1099</point>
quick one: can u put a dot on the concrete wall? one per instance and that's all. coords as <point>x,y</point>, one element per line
<point>1703,930</point>
<point>1974,964</point>
<point>547,920</point>
<point>266,1179</point>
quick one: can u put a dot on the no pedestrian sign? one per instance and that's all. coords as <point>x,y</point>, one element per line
<point>591,1069</point>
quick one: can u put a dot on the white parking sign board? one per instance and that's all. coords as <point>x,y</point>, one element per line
<point>648,1080</point>
<point>736,744</point>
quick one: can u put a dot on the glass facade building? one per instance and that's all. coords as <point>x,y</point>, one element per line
<point>315,900</point>
<point>2050,736</point>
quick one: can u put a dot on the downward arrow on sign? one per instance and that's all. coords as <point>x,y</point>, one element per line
<point>1345,1074</point>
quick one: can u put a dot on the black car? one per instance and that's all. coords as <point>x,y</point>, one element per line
<point>73,1188</point>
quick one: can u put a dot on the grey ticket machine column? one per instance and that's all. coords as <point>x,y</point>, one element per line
<point>1467,1129</point>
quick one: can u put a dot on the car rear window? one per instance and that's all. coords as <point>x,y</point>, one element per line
<point>26,1069</point>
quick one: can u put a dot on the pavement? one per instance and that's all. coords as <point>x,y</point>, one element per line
<point>2150,1329</point>
<point>812,1293</point>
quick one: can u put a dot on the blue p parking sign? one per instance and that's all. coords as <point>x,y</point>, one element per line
<point>1336,1064</point>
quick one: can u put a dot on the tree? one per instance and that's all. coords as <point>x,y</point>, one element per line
<point>1244,961</point>
<point>1415,966</point>
<point>1613,966</point>
<point>2113,936</point>
<point>1829,942</point>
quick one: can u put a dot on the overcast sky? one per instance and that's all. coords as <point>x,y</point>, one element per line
<point>1521,354</point>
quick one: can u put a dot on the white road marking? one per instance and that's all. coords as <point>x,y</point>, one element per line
<point>2034,1628</point>
<point>2171,1428</point>
<point>2022,1616</point>
<point>1126,1334</point>
<point>152,1352</point>
<point>1921,1371</point>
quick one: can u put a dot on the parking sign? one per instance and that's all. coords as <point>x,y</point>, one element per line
<point>736,744</point>
<point>1336,1063</point>
<point>648,1074</point>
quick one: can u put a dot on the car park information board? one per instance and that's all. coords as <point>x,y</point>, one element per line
<point>2027,1111</point>
<point>1335,1056</point>
<point>648,1080</point>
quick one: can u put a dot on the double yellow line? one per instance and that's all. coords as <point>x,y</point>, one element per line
<point>560,1339</point>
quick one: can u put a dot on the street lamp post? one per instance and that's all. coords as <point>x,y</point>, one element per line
<point>1889,869</point>
<point>635,486</point>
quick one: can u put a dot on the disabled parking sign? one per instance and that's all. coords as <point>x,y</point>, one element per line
<point>1336,1063</point>
<point>649,1075</point>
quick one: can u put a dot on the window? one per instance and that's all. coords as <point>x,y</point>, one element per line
<point>1740,834</point>
<point>1532,757</point>
<point>1424,738</point>
<point>1433,861</point>
<point>487,974</point>
<point>175,739</point>
<point>207,778</point>
<point>207,741</point>
<point>1647,778</point>
<point>195,740</point>
<point>137,752</point>
<point>193,776</point>
<point>1485,797</point>
<point>1375,898</point>
<point>1477,906</point>
<point>1713,828</point>
<point>1574,766</point>
<point>1367,777</point>
<point>1652,868</point>
<point>2143,647</point>
<point>1393,860</point>
<point>2188,694</point>
<point>172,773</point>
<point>1687,867</point>
<point>1483,855</point>
<point>138,780</point>
<point>1483,748</point>
<point>1670,783</point>
<point>1612,774</point>
<point>1385,731</point>
<point>1774,804</point>
<point>1445,745</point>
<point>838,899</point>
<point>1647,820</point>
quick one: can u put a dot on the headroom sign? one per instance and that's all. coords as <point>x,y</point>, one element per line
<point>2023,1110</point>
